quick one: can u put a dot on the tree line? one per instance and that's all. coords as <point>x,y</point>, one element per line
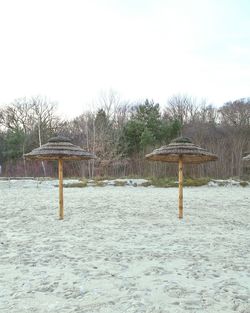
<point>120,133</point>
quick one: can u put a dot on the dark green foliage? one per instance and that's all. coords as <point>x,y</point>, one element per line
<point>13,147</point>
<point>171,129</point>
<point>147,138</point>
<point>131,137</point>
<point>147,128</point>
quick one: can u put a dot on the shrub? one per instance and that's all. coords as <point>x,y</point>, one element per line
<point>243,183</point>
<point>76,185</point>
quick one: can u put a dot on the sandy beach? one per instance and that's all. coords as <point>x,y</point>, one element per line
<point>123,250</point>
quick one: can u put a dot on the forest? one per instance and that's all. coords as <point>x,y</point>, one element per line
<point>120,133</point>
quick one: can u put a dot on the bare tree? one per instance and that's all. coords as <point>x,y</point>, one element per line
<point>236,113</point>
<point>181,107</point>
<point>109,101</point>
<point>45,119</point>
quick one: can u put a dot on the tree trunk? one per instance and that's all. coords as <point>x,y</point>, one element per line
<point>60,176</point>
<point>180,187</point>
<point>40,144</point>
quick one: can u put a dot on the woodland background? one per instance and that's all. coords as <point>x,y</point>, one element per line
<point>120,133</point>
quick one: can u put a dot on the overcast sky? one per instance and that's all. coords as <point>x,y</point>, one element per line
<point>70,50</point>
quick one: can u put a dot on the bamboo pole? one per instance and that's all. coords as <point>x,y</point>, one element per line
<point>180,186</point>
<point>60,175</point>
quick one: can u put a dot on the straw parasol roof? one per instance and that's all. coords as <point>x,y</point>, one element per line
<point>181,146</point>
<point>59,148</point>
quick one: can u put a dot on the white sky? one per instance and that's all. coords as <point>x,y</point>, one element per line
<point>70,50</point>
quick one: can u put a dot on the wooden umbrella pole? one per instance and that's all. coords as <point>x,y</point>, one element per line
<point>180,186</point>
<point>60,175</point>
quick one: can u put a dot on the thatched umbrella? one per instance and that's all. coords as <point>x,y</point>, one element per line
<point>181,150</point>
<point>59,148</point>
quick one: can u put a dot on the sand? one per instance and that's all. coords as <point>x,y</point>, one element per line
<point>123,249</point>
